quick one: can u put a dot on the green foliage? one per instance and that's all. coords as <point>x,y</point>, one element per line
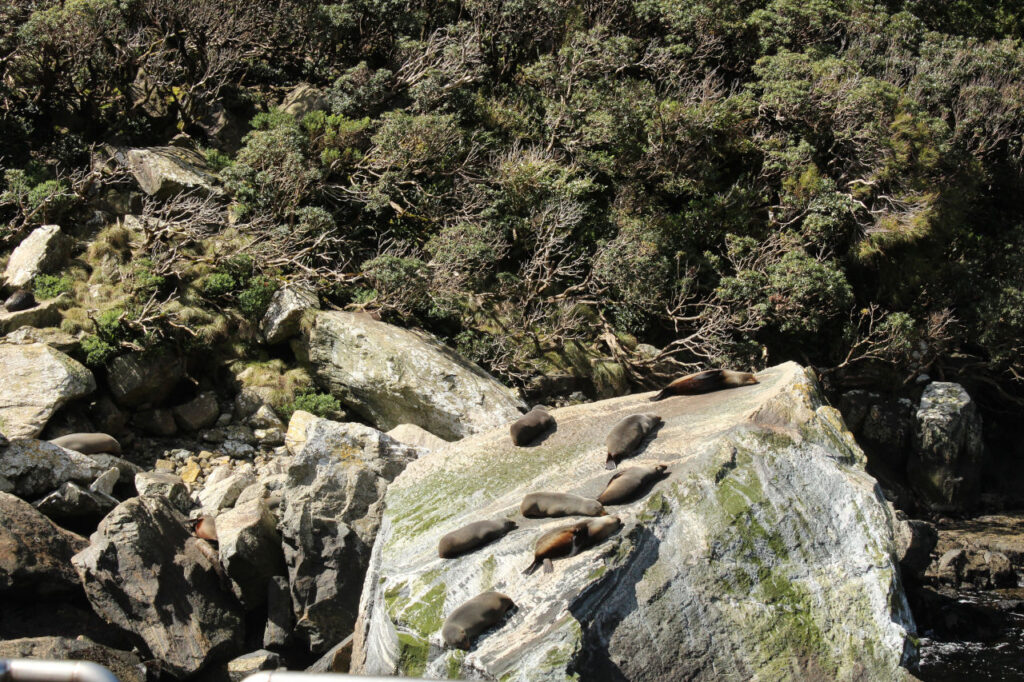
<point>51,286</point>
<point>314,402</point>
<point>219,284</point>
<point>97,351</point>
<point>255,298</point>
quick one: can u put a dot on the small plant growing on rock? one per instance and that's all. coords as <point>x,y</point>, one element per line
<point>51,286</point>
<point>320,404</point>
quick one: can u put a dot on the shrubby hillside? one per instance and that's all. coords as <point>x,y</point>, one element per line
<point>541,181</point>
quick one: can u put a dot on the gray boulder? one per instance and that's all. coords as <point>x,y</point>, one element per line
<point>410,434</point>
<point>164,484</point>
<point>222,492</point>
<point>250,549</point>
<point>165,171</point>
<point>198,413</point>
<point>37,381</point>
<point>281,322</point>
<point>280,617</point>
<point>124,664</point>
<point>156,422</point>
<point>767,552</point>
<point>143,378</point>
<point>331,513</point>
<point>945,465</point>
<point>35,554</point>
<point>395,376</point>
<point>243,666</point>
<point>35,467</point>
<point>71,501</point>
<point>303,99</point>
<point>46,249</point>
<point>146,573</point>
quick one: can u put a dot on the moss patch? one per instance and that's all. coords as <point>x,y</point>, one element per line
<point>412,657</point>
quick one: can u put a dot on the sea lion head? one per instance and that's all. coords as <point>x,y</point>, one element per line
<point>456,636</point>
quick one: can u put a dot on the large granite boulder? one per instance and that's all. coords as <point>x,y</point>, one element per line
<point>35,554</point>
<point>124,664</point>
<point>332,507</point>
<point>767,553</point>
<point>144,572</point>
<point>945,465</point>
<point>36,382</point>
<point>30,468</point>
<point>44,250</point>
<point>394,376</point>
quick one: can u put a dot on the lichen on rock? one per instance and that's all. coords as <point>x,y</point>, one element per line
<point>767,553</point>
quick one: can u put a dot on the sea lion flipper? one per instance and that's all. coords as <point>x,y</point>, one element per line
<point>532,567</point>
<point>548,567</point>
<point>663,393</point>
<point>610,463</point>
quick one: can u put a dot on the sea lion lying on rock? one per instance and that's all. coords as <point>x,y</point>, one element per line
<point>531,426</point>
<point>89,443</point>
<point>705,382</point>
<point>20,300</point>
<point>540,505</point>
<point>480,613</point>
<point>627,435</point>
<point>472,536</point>
<point>571,540</point>
<point>625,483</point>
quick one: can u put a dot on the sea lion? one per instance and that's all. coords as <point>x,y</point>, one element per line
<point>540,505</point>
<point>20,300</point>
<point>480,613</point>
<point>471,536</point>
<point>531,426</point>
<point>205,527</point>
<point>89,443</point>
<point>705,382</point>
<point>626,482</point>
<point>557,544</point>
<point>599,529</point>
<point>627,435</point>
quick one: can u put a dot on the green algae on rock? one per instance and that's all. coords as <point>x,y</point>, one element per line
<point>767,553</point>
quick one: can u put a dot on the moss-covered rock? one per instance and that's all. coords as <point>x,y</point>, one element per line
<point>767,553</point>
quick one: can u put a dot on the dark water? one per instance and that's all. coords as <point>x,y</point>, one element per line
<point>974,636</point>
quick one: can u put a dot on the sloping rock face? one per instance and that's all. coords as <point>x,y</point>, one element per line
<point>767,553</point>
<point>35,554</point>
<point>30,468</point>
<point>44,250</point>
<point>144,572</point>
<point>393,376</point>
<point>166,171</point>
<point>332,512</point>
<point>36,382</point>
<point>281,321</point>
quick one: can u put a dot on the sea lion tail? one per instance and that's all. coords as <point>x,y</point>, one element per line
<point>532,567</point>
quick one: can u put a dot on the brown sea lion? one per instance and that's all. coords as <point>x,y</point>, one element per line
<point>531,426</point>
<point>480,613</point>
<point>471,536</point>
<point>89,443</point>
<point>205,527</point>
<point>540,505</point>
<point>20,300</point>
<point>706,382</point>
<point>627,435</point>
<point>624,484</point>
<point>557,544</point>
